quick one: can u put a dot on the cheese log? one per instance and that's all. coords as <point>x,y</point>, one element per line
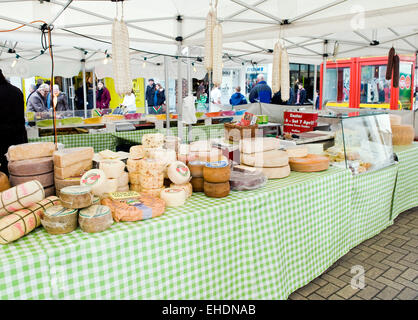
<point>178,172</point>
<point>395,120</point>
<point>270,173</point>
<point>112,185</point>
<point>217,172</point>
<point>123,180</point>
<point>187,187</point>
<point>96,218</point>
<point>173,197</point>
<point>153,140</point>
<point>76,197</point>
<point>46,179</point>
<point>197,184</point>
<point>112,168</point>
<point>17,224</point>
<point>152,192</point>
<point>267,159</point>
<point>311,163</point>
<point>402,135</point>
<point>4,182</point>
<point>196,168</point>
<point>123,189</point>
<point>259,145</point>
<point>30,151</point>
<point>31,167</point>
<point>146,166</point>
<point>20,197</point>
<point>297,152</point>
<point>73,170</point>
<point>136,152</point>
<point>50,191</point>
<point>216,190</point>
<point>95,179</point>
<point>67,157</point>
<point>59,220</point>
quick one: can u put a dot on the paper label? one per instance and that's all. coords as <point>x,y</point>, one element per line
<point>146,211</point>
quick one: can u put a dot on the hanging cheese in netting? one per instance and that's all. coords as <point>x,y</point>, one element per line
<point>276,76</point>
<point>284,75</point>
<point>217,54</point>
<point>120,58</point>
<point>210,25</point>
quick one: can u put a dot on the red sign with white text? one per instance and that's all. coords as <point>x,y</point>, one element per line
<point>298,122</point>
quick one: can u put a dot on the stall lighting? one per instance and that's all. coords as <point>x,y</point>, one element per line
<point>106,59</point>
<point>15,61</point>
<point>194,68</point>
<point>145,62</point>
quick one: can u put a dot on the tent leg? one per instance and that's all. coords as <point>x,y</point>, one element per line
<point>167,94</point>
<point>324,74</point>
<point>315,86</point>
<point>84,87</point>
<point>179,81</point>
<point>94,87</point>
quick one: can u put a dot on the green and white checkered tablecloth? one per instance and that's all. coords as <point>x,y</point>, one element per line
<point>251,245</point>
<point>406,191</point>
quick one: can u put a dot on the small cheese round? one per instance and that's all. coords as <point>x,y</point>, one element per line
<point>59,220</point>
<point>173,197</point>
<point>297,151</point>
<point>133,165</point>
<point>187,187</point>
<point>178,172</point>
<point>112,185</point>
<point>152,192</point>
<point>197,184</point>
<point>96,218</point>
<point>112,168</point>
<point>216,190</point>
<point>196,168</point>
<point>95,179</point>
<point>311,163</point>
<point>136,152</point>
<point>4,182</point>
<point>217,172</point>
<point>76,197</point>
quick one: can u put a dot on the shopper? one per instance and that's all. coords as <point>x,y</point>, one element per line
<point>201,102</point>
<point>37,101</point>
<point>261,92</point>
<point>102,97</point>
<point>277,98</point>
<point>200,90</point>
<point>215,99</point>
<point>62,102</point>
<point>39,82</point>
<point>158,100</point>
<point>79,97</point>
<point>32,89</point>
<point>301,95</point>
<point>129,102</point>
<point>237,98</point>
<point>150,92</point>
<point>12,121</point>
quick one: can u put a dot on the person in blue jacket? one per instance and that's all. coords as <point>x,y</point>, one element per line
<point>237,98</point>
<point>261,92</point>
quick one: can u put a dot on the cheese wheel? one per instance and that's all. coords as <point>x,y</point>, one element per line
<point>216,190</point>
<point>310,163</point>
<point>153,140</point>
<point>270,173</point>
<point>196,168</point>
<point>403,135</point>
<point>135,187</point>
<point>50,191</point>
<point>31,167</point>
<point>46,179</point>
<point>76,197</point>
<point>112,185</point>
<point>123,189</point>
<point>95,179</point>
<point>123,179</point>
<point>187,187</point>
<point>178,172</point>
<point>30,151</point>
<point>253,145</point>
<point>73,170</point>
<point>136,152</point>
<point>96,218</point>
<point>173,197</point>
<point>147,181</point>
<point>395,120</point>
<point>59,220</point>
<point>207,156</point>
<point>113,169</point>
<point>217,172</point>
<point>152,192</point>
<point>146,166</point>
<point>197,184</point>
<point>96,200</point>
<point>67,157</point>
<point>68,182</point>
<point>267,159</point>
<point>4,182</point>
<point>297,152</point>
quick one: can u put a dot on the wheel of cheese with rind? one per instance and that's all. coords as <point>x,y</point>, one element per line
<point>46,179</point>
<point>95,179</point>
<point>267,159</point>
<point>75,169</point>
<point>187,187</point>
<point>137,152</point>
<point>59,220</point>
<point>206,156</point>
<point>147,181</point>
<point>4,182</point>
<point>196,168</point>
<point>297,151</point>
<point>173,197</point>
<point>76,197</point>
<point>310,163</point>
<point>31,150</point>
<point>270,173</point>
<point>96,218</point>
<point>67,157</point>
<point>395,120</point>
<point>96,200</point>
<point>68,182</point>
<point>197,184</point>
<point>217,172</point>
<point>112,168</point>
<point>216,190</point>
<point>31,167</point>
<point>178,173</point>
<point>253,145</point>
<point>153,140</point>
<point>152,192</point>
<point>402,135</point>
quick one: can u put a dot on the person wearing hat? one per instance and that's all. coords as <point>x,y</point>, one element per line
<point>150,92</point>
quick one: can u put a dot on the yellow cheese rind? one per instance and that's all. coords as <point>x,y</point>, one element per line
<point>67,157</point>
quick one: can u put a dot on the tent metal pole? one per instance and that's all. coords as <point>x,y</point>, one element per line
<point>255,9</point>
<point>315,85</point>
<point>84,86</point>
<point>94,87</point>
<point>167,94</point>
<point>322,8</point>
<point>302,47</point>
<point>72,96</point>
<point>60,12</point>
<point>324,74</point>
<point>404,40</point>
<point>179,80</point>
<point>92,24</point>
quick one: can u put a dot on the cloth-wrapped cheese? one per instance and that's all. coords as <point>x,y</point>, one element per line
<point>30,151</point>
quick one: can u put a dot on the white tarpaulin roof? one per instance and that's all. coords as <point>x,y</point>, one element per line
<point>250,29</point>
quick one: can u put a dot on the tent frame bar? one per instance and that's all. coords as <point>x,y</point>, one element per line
<point>259,11</point>
<point>404,40</point>
<point>92,24</point>
<point>322,8</point>
<point>60,12</point>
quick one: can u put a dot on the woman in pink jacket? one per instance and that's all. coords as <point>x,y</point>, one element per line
<point>102,97</point>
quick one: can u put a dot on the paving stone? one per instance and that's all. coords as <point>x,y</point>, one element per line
<point>333,280</point>
<point>409,264</point>
<point>395,257</point>
<point>362,256</point>
<point>392,273</point>
<point>390,283</point>
<point>315,296</point>
<point>407,283</point>
<point>378,256</point>
<point>347,292</point>
<point>413,243</point>
<point>397,249</point>
<point>296,296</point>
<point>308,289</point>
<point>355,298</point>
<point>388,293</point>
<point>412,257</point>
<point>398,236</point>
<point>381,249</point>
<point>383,242</point>
<point>395,265</point>
<point>335,297</point>
<point>407,294</point>
<point>367,293</point>
<point>399,242</point>
<point>401,231</point>
<point>374,273</point>
<point>327,290</point>
<point>366,248</point>
<point>320,282</point>
<point>369,242</point>
<point>408,248</point>
<point>337,271</point>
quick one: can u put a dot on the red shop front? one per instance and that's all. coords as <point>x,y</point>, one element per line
<point>361,83</point>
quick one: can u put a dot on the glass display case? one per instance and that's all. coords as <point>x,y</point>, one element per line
<point>363,140</point>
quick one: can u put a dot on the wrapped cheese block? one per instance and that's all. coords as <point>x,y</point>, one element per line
<point>146,207</point>
<point>123,196</point>
<point>152,192</point>
<point>270,173</point>
<point>17,224</point>
<point>123,180</point>
<point>310,163</point>
<point>112,168</point>
<point>216,190</point>
<point>30,151</point>
<point>46,179</point>
<point>96,218</point>
<point>259,145</point>
<point>178,172</point>
<point>242,179</point>
<point>67,157</point>
<point>50,191</point>
<point>402,135</point>
<point>173,197</point>
<point>95,179</point>
<point>196,168</point>
<point>31,167</point>
<point>187,187</point>
<point>267,159</point>
<point>217,172</point>
<point>20,197</point>
<point>197,184</point>
<point>59,220</point>
<point>4,182</point>
<point>153,140</point>
<point>112,185</point>
<point>137,152</point>
<point>73,170</point>
<point>297,151</point>
<point>76,197</point>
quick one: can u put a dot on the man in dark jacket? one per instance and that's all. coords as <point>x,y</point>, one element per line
<point>150,92</point>
<point>237,98</point>
<point>37,101</point>
<point>301,94</point>
<point>277,98</point>
<point>261,92</point>
<point>12,121</point>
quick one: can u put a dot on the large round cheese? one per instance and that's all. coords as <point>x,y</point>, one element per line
<point>216,190</point>
<point>95,179</point>
<point>31,167</point>
<point>112,168</point>
<point>254,145</point>
<point>173,197</point>
<point>46,179</point>
<point>217,172</point>
<point>68,182</point>
<point>112,185</point>
<point>207,156</point>
<point>402,135</point>
<point>311,163</point>
<point>153,140</point>
<point>96,218</point>
<point>59,220</point>
<point>166,156</point>
<point>196,168</point>
<point>178,172</point>
<point>146,180</point>
<point>297,151</point>
<point>270,173</point>
<point>4,182</point>
<point>137,152</point>
<point>150,167</point>
<point>267,159</point>
<point>76,197</point>
<point>197,184</point>
<point>187,187</point>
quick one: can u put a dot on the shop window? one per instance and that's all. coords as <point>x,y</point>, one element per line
<point>337,86</point>
<point>375,88</point>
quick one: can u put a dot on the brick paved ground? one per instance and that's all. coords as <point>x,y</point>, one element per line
<point>390,261</point>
